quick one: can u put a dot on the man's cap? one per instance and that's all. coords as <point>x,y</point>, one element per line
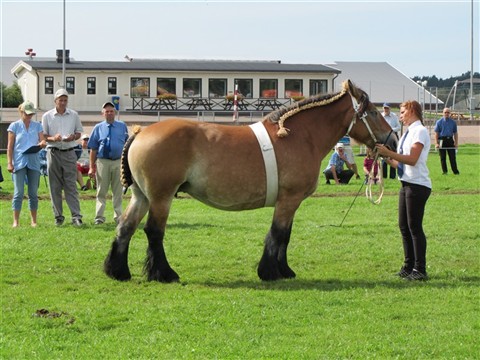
<point>339,145</point>
<point>386,105</point>
<point>108,103</point>
<point>61,92</point>
<point>28,108</point>
<point>85,137</point>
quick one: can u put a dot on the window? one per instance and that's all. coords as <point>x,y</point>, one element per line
<point>112,86</point>
<point>48,85</point>
<point>268,88</point>
<point>217,88</point>
<point>166,86</point>
<point>140,87</point>
<point>70,85</point>
<point>318,87</point>
<point>91,85</point>
<point>245,87</point>
<point>293,88</point>
<point>192,87</point>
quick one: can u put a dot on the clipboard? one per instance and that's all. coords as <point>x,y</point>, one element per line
<point>33,149</point>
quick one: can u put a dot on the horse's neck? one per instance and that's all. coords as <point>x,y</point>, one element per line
<point>328,124</point>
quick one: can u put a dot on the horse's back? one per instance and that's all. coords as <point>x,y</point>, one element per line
<point>220,165</point>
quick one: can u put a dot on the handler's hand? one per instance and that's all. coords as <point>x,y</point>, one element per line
<point>383,150</point>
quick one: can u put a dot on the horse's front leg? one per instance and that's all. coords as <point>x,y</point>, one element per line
<point>273,264</point>
<point>156,264</point>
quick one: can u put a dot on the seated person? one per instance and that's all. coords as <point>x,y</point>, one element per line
<point>335,171</point>
<point>368,162</point>
<point>83,164</point>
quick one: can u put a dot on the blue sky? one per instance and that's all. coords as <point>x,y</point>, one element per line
<point>416,37</point>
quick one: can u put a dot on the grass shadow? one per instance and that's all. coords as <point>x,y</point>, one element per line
<point>333,284</point>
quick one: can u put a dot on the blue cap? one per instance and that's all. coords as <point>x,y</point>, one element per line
<point>386,105</point>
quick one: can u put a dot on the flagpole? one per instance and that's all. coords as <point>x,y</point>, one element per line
<point>235,105</point>
<point>64,47</point>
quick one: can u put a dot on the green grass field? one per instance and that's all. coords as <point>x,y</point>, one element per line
<point>57,303</point>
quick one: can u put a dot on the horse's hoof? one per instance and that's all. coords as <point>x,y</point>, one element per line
<point>117,272</point>
<point>269,274</point>
<point>169,276</point>
<point>118,275</point>
<point>287,273</point>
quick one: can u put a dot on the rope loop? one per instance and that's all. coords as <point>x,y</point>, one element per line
<point>372,181</point>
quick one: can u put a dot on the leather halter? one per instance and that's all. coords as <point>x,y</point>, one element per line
<point>362,114</point>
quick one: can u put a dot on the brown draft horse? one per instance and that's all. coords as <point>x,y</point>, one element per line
<point>222,166</point>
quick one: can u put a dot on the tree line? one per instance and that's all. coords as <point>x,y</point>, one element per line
<point>433,81</point>
<point>11,95</point>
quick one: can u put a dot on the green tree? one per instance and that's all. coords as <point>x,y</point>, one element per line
<point>11,95</point>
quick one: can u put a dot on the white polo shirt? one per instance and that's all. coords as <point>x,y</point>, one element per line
<point>418,174</point>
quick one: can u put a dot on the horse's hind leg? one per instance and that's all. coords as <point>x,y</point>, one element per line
<point>156,265</point>
<point>116,263</point>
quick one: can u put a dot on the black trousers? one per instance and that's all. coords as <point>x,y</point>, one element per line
<point>448,147</point>
<point>344,176</point>
<point>411,208</point>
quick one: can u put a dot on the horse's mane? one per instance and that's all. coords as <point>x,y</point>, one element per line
<point>281,115</point>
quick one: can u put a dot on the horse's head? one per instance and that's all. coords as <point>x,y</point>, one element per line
<point>368,125</point>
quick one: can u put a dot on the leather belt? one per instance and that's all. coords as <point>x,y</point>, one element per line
<point>62,150</point>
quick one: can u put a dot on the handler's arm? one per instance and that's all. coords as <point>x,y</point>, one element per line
<point>394,158</point>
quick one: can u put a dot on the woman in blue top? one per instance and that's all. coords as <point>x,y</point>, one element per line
<point>23,134</point>
<point>411,163</point>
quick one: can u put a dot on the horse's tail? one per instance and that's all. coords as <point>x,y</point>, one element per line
<point>125,172</point>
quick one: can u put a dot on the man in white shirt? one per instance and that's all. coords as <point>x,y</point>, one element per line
<point>392,120</point>
<point>62,127</point>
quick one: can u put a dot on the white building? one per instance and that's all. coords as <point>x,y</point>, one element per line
<point>383,83</point>
<point>172,85</point>
<point>205,84</point>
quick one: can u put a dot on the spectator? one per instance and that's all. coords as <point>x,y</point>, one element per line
<point>335,171</point>
<point>411,163</point>
<point>392,120</point>
<point>25,139</point>
<point>348,151</point>
<point>83,164</point>
<point>62,128</point>
<point>446,141</point>
<point>106,144</point>
<point>368,163</point>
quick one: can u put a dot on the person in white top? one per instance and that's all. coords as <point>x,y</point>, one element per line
<point>62,127</point>
<point>411,163</point>
<point>392,120</point>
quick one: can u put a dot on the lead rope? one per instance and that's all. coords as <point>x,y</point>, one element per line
<point>371,181</point>
<point>356,107</point>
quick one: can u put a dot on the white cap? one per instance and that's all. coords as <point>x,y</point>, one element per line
<point>61,92</point>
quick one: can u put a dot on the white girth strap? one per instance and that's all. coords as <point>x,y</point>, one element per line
<point>269,160</point>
